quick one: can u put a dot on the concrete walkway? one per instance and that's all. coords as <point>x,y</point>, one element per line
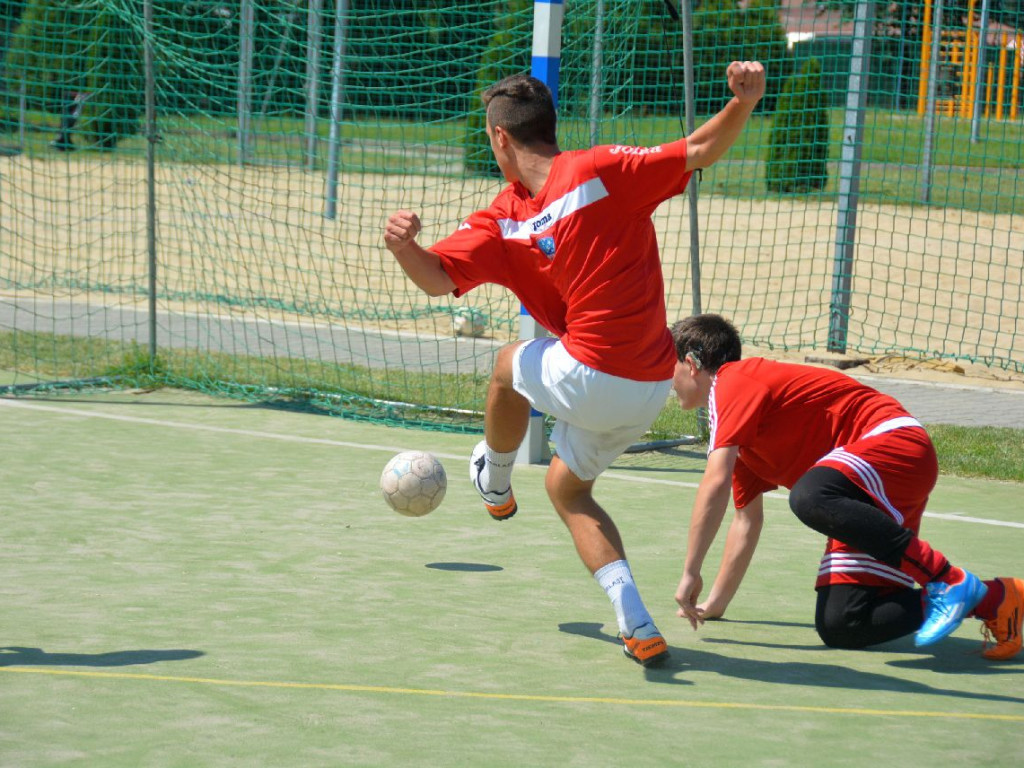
<point>932,403</point>
<point>961,405</point>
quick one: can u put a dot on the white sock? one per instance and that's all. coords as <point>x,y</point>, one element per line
<point>617,582</point>
<point>497,473</point>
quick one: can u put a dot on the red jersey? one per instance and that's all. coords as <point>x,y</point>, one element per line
<point>784,418</point>
<point>582,256</point>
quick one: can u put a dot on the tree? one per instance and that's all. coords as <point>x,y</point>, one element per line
<point>113,61</point>
<point>45,52</point>
<point>10,15</point>
<point>502,58</point>
<point>798,145</point>
<point>724,31</point>
<point>62,47</point>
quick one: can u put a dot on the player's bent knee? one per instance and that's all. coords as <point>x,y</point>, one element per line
<point>834,638</point>
<point>839,634</point>
<point>502,372</point>
<point>842,617</point>
<point>806,501</point>
<point>813,497</point>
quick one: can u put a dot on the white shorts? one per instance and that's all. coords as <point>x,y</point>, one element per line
<point>597,415</point>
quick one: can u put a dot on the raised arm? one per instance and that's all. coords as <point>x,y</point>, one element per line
<point>422,267</point>
<point>712,139</point>
<point>740,543</point>
<point>705,520</point>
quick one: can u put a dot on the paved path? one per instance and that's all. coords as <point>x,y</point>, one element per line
<point>958,404</point>
<point>930,402</point>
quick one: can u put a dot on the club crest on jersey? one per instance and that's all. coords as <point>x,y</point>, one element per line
<point>547,246</point>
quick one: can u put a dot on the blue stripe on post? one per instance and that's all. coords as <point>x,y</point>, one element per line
<point>545,69</point>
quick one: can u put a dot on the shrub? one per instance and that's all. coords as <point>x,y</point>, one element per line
<point>798,146</point>
<point>61,47</point>
<point>501,58</point>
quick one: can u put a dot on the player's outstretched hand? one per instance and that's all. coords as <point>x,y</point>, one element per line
<point>689,590</point>
<point>746,80</point>
<point>711,609</point>
<point>401,229</point>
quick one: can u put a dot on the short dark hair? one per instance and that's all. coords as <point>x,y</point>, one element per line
<point>710,341</point>
<point>524,107</point>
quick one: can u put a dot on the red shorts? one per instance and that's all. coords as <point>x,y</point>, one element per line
<point>897,467</point>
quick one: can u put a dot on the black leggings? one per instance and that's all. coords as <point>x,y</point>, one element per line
<point>853,616</point>
<point>830,503</point>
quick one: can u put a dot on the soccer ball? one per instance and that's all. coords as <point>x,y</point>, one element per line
<point>413,483</point>
<point>469,321</point>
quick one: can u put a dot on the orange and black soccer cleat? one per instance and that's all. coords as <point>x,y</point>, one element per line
<point>1003,632</point>
<point>500,505</point>
<point>504,510</point>
<point>646,646</point>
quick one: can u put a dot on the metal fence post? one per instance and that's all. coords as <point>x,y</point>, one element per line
<point>927,150</point>
<point>246,34</point>
<point>151,140</point>
<point>849,177</point>
<point>337,103</point>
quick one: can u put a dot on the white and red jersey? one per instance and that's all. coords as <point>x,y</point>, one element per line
<point>786,418</point>
<point>582,256</point>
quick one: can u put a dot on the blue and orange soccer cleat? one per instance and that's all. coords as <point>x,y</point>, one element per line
<point>946,605</point>
<point>645,646</point>
<point>500,505</point>
<point>1003,632</point>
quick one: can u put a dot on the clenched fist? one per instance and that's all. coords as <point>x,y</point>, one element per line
<point>746,80</point>
<point>401,229</point>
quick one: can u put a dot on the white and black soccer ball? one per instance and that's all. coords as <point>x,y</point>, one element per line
<point>413,483</point>
<point>469,321</point>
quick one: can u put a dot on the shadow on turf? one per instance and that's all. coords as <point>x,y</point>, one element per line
<point>475,567</point>
<point>954,655</point>
<point>802,673</point>
<point>20,656</point>
<point>799,624</point>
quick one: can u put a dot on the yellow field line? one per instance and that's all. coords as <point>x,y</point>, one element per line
<point>541,698</point>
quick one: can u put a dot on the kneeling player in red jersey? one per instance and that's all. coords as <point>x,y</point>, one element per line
<point>859,468</point>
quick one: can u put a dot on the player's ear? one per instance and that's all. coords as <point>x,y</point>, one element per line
<point>500,136</point>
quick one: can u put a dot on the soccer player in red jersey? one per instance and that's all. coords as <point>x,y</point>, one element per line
<point>859,468</point>
<point>572,238</point>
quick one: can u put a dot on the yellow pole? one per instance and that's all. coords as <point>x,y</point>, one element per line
<point>1015,92</point>
<point>1001,83</point>
<point>926,57</point>
<point>954,59</point>
<point>988,90</point>
<point>970,62</point>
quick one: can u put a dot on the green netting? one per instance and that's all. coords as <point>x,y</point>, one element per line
<point>271,281</point>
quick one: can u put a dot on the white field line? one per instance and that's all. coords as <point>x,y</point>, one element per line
<point>14,403</point>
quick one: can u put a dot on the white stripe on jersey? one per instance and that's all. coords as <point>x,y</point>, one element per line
<point>712,416</point>
<point>848,562</point>
<point>888,426</point>
<point>585,194</point>
<point>867,473</point>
